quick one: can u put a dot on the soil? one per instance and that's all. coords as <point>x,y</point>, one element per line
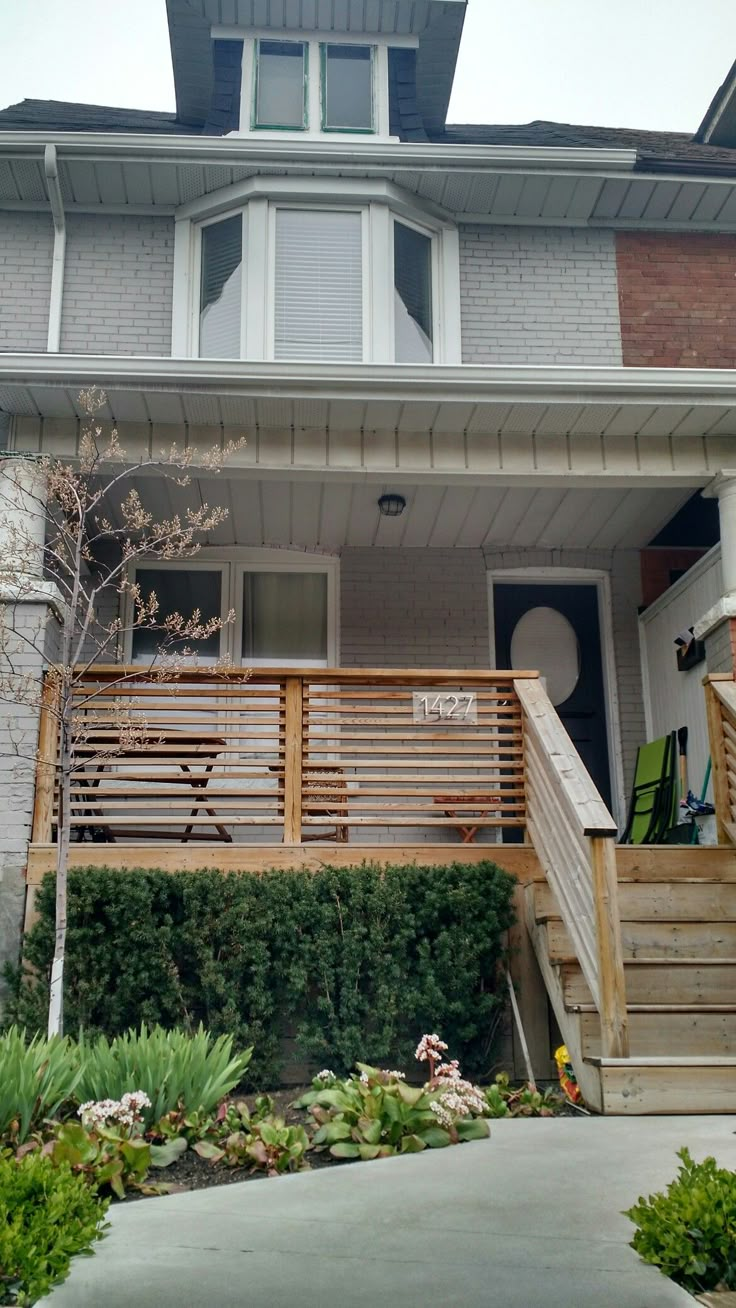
<point>190,1172</point>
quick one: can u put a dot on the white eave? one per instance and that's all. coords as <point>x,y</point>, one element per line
<point>517,401</point>
<point>496,184</point>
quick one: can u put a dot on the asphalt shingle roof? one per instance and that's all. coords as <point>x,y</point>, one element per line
<point>657,151</point>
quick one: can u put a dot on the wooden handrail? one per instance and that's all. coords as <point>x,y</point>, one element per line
<point>322,676</point>
<point>720,708</point>
<point>574,836</point>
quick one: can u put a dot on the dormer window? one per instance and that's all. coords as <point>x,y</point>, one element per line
<point>347,88</point>
<point>280,99</point>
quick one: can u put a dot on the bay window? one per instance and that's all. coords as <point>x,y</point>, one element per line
<point>361,274</point>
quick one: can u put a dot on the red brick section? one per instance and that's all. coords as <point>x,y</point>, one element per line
<point>657,565</point>
<point>677,296</point>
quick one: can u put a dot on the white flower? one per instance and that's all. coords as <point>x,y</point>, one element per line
<point>364,1078</point>
<point>125,1112</point>
<point>325,1075</point>
<point>430,1047</point>
<point>398,1076</point>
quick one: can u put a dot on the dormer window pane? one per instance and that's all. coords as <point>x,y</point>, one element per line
<point>221,286</point>
<point>347,92</point>
<point>281,84</point>
<point>412,295</point>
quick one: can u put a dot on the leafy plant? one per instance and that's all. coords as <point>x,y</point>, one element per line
<point>36,1078</point>
<point>375,1114</point>
<point>379,951</point>
<point>107,1157</point>
<point>505,1100</point>
<point>259,1140</point>
<point>47,1215</point>
<point>178,1072</point>
<point>689,1230</point>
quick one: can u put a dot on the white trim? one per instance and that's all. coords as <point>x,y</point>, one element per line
<point>553,576</point>
<point>183,294</point>
<point>323,190</point>
<point>330,35</point>
<point>683,583</point>
<point>58,260</point>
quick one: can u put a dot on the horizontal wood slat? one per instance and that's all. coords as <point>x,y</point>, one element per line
<point>204,752</point>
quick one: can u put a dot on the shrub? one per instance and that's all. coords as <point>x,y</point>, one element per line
<point>505,1100</point>
<point>46,1216</point>
<point>355,959</point>
<point>689,1230</point>
<point>175,1071</point>
<point>260,1140</point>
<point>36,1078</point>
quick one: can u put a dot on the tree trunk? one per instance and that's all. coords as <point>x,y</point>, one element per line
<point>56,990</point>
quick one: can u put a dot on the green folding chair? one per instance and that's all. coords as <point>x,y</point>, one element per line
<point>655,800</point>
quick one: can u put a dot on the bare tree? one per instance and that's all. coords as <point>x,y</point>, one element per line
<point>82,526</point>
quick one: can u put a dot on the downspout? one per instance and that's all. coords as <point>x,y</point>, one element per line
<point>51,170</point>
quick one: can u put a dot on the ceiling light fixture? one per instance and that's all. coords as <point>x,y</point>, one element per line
<point>392,506</point>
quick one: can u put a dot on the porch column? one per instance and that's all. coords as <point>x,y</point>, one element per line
<point>29,608</point>
<point>717,627</point>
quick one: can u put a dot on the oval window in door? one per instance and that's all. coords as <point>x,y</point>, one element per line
<point>544,641</point>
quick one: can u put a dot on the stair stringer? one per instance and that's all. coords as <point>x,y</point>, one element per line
<point>588,1076</point>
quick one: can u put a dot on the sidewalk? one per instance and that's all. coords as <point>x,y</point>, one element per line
<point>531,1217</point>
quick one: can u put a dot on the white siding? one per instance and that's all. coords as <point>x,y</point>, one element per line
<point>675,699</point>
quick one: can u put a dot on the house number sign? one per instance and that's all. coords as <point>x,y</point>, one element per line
<point>445,706</point>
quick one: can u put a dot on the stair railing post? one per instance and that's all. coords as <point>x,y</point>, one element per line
<point>48,744</point>
<point>719,761</point>
<point>293,756</point>
<point>611,982</point>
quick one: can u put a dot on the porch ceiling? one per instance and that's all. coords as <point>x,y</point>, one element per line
<point>330,515</point>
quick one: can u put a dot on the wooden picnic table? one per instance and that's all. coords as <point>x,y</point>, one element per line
<point>185,750</point>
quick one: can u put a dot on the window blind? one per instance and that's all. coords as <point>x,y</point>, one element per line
<point>319,285</point>
<point>221,289</point>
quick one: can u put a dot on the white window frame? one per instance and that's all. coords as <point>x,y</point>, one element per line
<point>381,203</point>
<point>232,564</point>
<point>184,565</point>
<point>314,40</point>
<point>197,230</point>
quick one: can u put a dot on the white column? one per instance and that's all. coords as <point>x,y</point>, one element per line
<point>724,489</point>
<point>22,522</point>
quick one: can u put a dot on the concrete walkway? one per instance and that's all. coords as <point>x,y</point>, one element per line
<point>530,1217</point>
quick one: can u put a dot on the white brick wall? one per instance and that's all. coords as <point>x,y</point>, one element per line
<point>33,630</point>
<point>26,248</point>
<point>539,295</point>
<point>118,285</point>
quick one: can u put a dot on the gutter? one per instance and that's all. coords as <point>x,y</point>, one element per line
<point>51,169</point>
<point>464,382</point>
<point>235,150</point>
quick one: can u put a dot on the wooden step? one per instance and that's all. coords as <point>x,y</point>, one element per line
<point>666,1029</point>
<point>684,901</point>
<point>662,981</point>
<point>640,1085</point>
<point>675,862</point>
<point>656,940</point>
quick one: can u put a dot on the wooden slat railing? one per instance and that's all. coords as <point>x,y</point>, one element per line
<point>313,753</point>
<point>720,704</point>
<point>575,838</point>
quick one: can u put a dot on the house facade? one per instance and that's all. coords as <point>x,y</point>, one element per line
<point>486,375</point>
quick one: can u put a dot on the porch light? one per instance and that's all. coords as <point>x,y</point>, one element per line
<point>392,506</point>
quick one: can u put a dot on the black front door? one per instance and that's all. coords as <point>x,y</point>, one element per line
<point>555,630</point>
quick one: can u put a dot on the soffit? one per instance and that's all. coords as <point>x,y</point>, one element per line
<point>494,184</point>
<point>333,515</point>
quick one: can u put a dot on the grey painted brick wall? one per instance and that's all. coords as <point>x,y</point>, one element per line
<point>419,608</point>
<point>26,248</point>
<point>118,285</point>
<point>539,295</point>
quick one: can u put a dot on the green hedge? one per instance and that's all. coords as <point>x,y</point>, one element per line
<point>355,962</point>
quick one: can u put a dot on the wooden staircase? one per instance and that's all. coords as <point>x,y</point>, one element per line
<point>677,910</point>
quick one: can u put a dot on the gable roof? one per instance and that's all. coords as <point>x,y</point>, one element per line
<point>63,116</point>
<point>719,124</point>
<point>656,151</point>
